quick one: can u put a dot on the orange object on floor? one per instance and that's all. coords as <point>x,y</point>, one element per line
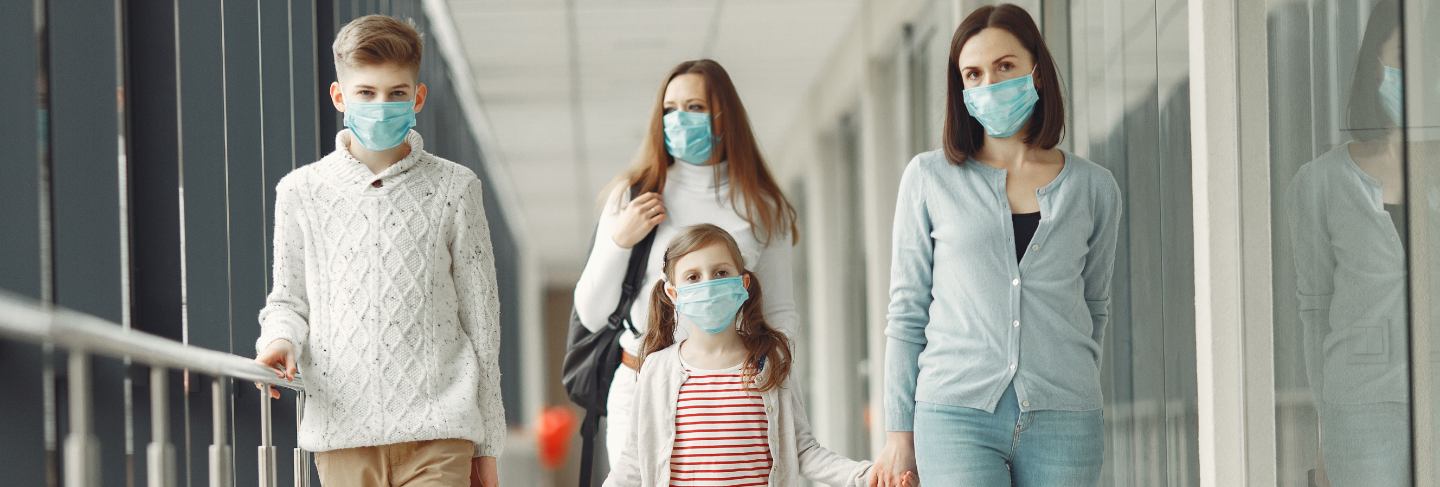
<point>555,429</point>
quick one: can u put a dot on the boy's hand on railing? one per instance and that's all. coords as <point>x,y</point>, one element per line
<point>279,356</point>
<point>483,472</point>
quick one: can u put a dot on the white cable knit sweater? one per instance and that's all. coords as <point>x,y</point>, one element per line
<point>389,295</point>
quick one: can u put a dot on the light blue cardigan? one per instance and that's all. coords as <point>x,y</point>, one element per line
<point>965,320</point>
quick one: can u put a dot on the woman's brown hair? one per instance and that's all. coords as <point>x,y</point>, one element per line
<point>963,134</point>
<point>764,206</point>
<point>764,345</point>
<point>1368,120</point>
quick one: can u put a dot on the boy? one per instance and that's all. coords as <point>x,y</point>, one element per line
<point>384,290</point>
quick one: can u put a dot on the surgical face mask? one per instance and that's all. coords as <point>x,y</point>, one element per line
<point>380,125</point>
<point>1002,108</point>
<point>1392,95</point>
<point>711,305</point>
<point>688,137</point>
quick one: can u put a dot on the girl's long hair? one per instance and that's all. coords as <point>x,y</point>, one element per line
<point>764,206</point>
<point>764,345</point>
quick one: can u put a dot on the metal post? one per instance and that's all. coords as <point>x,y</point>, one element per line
<point>302,457</point>
<point>267,447</point>
<point>221,468</point>
<point>82,449</point>
<point>160,454</point>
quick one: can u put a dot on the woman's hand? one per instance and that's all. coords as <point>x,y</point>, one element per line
<point>278,356</point>
<point>484,473</point>
<point>638,218</point>
<point>896,465</point>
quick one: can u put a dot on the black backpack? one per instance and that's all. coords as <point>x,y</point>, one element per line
<point>592,358</point>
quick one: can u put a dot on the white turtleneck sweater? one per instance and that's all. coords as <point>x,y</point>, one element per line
<point>692,196</point>
<point>388,292</point>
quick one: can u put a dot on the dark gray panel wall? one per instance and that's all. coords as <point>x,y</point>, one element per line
<point>86,182</point>
<point>20,263</point>
<point>152,128</point>
<point>248,245</point>
<point>23,427</point>
<point>202,169</point>
<point>309,143</point>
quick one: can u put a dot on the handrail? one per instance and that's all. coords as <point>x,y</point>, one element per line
<point>28,320</point>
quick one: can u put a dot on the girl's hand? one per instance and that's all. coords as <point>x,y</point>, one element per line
<point>483,472</point>
<point>278,356</point>
<point>896,465</point>
<point>638,218</point>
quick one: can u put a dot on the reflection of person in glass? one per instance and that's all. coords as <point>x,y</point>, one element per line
<point>1348,230</point>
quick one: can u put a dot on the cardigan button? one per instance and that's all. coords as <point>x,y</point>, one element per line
<point>377,183</point>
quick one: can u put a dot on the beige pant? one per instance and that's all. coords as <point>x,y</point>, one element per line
<point>432,463</point>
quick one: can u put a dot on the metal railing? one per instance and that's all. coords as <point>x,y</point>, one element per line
<point>85,336</point>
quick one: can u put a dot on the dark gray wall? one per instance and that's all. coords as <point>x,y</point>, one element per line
<point>22,428</point>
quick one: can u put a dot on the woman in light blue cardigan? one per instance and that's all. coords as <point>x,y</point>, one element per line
<point>1004,247</point>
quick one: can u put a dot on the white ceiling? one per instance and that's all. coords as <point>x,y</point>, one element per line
<point>567,93</point>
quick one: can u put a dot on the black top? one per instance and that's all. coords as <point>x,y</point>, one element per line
<point>1025,224</point>
<point>1397,215</point>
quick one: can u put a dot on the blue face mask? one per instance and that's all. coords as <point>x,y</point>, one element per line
<point>380,125</point>
<point>1392,95</point>
<point>1004,107</point>
<point>711,305</point>
<point>688,137</point>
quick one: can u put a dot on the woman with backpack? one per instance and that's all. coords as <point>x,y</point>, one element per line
<point>699,163</point>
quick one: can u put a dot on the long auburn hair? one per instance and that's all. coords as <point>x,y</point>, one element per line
<point>764,205</point>
<point>763,343</point>
<point>963,134</point>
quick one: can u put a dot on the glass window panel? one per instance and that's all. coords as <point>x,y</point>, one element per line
<point>1126,67</point>
<point>1352,102</point>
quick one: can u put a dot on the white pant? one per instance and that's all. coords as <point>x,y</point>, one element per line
<point>618,408</point>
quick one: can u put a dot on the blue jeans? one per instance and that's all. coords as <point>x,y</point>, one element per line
<point>1366,445</point>
<point>962,446</point>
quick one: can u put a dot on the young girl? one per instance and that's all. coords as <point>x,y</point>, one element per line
<point>699,163</point>
<point>716,408</point>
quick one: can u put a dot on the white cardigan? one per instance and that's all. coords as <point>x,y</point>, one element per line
<point>389,295</point>
<point>693,195</point>
<point>794,452</point>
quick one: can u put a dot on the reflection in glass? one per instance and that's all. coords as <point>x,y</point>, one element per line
<point>1347,227</point>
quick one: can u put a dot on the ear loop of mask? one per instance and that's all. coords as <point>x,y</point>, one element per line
<point>674,302</point>
<point>740,314</point>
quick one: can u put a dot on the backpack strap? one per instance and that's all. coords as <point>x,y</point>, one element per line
<point>588,430</point>
<point>634,275</point>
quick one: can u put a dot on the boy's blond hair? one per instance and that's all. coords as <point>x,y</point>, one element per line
<point>374,40</point>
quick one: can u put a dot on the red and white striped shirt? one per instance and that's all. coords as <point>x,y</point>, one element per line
<point>720,432</point>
